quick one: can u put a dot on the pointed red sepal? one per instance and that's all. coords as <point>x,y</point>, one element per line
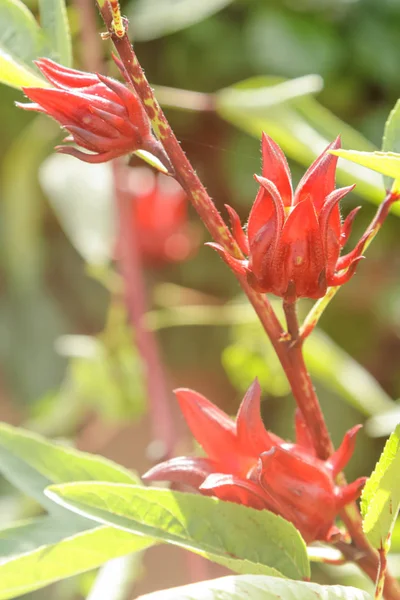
<point>275,168</point>
<point>93,159</point>
<point>237,230</point>
<point>301,245</point>
<point>234,489</point>
<point>121,67</point>
<point>132,103</point>
<point>238,266</point>
<point>65,77</point>
<point>211,427</point>
<point>252,436</point>
<point>342,278</point>
<point>343,454</point>
<point>319,180</point>
<point>330,202</point>
<point>303,437</point>
<point>350,492</point>
<point>183,469</point>
<point>267,205</point>
<point>347,226</point>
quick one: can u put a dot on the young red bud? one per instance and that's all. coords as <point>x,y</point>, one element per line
<point>292,243</point>
<point>102,115</point>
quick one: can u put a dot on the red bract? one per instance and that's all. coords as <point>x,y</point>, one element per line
<point>248,465</point>
<point>160,217</point>
<point>293,241</point>
<point>101,114</point>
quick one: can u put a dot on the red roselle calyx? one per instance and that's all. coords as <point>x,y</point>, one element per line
<point>159,209</point>
<point>293,241</point>
<point>248,465</point>
<point>101,114</point>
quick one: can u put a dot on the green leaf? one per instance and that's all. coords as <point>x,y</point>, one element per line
<point>258,99</point>
<point>31,463</point>
<point>331,365</point>
<point>241,538</point>
<point>304,128</point>
<point>391,137</point>
<point>49,549</point>
<point>21,41</point>
<point>151,19</point>
<point>16,74</point>
<point>81,195</point>
<point>387,163</point>
<point>257,587</point>
<point>54,23</point>
<point>380,500</point>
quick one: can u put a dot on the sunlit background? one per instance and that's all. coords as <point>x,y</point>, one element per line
<point>302,70</point>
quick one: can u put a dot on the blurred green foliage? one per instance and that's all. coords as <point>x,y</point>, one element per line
<point>48,290</point>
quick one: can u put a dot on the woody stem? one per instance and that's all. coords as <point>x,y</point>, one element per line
<point>291,320</point>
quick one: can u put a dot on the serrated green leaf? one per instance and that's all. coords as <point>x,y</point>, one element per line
<point>54,23</point>
<point>241,538</point>
<point>21,41</point>
<point>386,163</point>
<point>151,19</point>
<point>45,550</point>
<point>380,500</point>
<point>257,587</point>
<point>31,463</point>
<point>304,128</point>
<point>391,138</point>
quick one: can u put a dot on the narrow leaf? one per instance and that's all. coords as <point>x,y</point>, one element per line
<point>54,551</point>
<point>257,587</point>
<point>54,23</point>
<point>17,74</point>
<point>21,41</point>
<point>380,501</point>
<point>152,19</point>
<point>387,163</point>
<point>81,196</point>
<point>304,128</point>
<point>391,137</point>
<point>241,538</point>
<point>32,463</point>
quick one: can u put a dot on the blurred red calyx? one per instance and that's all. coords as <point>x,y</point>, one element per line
<point>293,241</point>
<point>248,465</point>
<point>159,209</point>
<point>101,114</point>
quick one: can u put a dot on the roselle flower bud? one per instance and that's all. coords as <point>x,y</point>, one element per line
<point>159,209</point>
<point>293,241</point>
<point>248,465</point>
<point>101,114</point>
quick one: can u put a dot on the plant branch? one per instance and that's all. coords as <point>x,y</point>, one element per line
<point>135,293</point>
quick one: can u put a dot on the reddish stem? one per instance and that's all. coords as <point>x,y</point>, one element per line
<point>135,292</point>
